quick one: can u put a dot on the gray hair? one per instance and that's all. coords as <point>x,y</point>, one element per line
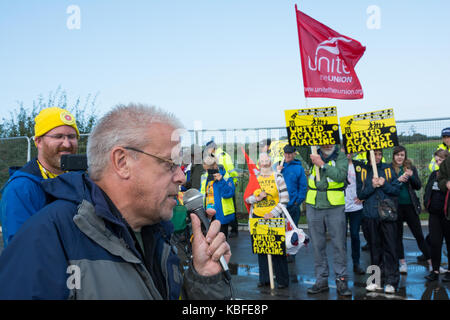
<point>123,126</point>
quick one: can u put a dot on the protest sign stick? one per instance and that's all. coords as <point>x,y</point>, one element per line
<point>269,260</point>
<point>281,164</point>
<point>374,164</point>
<point>316,168</point>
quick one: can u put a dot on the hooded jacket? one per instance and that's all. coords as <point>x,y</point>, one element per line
<point>78,247</point>
<point>295,178</point>
<point>366,191</point>
<point>223,196</point>
<point>22,197</point>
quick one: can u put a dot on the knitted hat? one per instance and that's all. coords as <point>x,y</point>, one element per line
<point>51,118</point>
<point>288,149</point>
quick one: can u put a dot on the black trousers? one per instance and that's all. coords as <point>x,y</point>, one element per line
<point>280,269</point>
<point>406,213</point>
<point>439,228</point>
<point>382,240</point>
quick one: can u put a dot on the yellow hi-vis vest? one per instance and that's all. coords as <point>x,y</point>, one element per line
<point>433,166</point>
<point>335,190</point>
<point>227,204</point>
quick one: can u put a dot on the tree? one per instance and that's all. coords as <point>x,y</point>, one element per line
<point>21,121</point>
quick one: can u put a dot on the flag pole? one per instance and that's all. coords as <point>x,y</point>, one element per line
<point>313,148</point>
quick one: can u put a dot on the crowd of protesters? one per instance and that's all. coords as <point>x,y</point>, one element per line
<point>114,219</point>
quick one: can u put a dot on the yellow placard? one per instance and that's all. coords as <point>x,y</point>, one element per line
<point>268,236</point>
<point>312,127</point>
<point>369,131</point>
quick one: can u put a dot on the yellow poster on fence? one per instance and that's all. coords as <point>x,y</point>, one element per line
<point>268,236</point>
<point>369,131</point>
<point>312,127</point>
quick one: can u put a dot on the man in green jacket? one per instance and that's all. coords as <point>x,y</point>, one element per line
<point>325,202</point>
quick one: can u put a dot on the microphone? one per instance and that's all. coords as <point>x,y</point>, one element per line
<point>193,201</point>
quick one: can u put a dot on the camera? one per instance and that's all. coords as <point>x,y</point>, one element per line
<point>74,162</point>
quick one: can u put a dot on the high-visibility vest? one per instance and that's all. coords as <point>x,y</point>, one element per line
<point>363,157</point>
<point>227,204</point>
<point>224,159</point>
<point>433,166</point>
<point>277,150</point>
<point>335,190</point>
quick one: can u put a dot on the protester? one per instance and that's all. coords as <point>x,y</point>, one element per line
<point>445,145</point>
<point>267,203</point>
<point>382,235</point>
<point>444,186</point>
<point>296,182</point>
<point>225,160</point>
<point>353,210</point>
<point>107,236</point>
<point>218,190</point>
<point>438,225</point>
<point>55,134</point>
<point>409,207</point>
<point>193,177</point>
<point>325,202</point>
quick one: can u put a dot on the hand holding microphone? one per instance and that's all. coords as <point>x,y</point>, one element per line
<point>210,250</point>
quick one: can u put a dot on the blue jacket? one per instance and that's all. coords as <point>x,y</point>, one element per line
<point>80,230</point>
<point>22,197</point>
<point>296,182</point>
<point>371,195</point>
<point>223,189</point>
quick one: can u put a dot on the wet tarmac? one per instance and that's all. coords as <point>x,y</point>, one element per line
<point>412,286</point>
<point>244,269</point>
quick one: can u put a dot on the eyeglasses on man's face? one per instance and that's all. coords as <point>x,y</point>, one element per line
<point>60,136</point>
<point>171,164</point>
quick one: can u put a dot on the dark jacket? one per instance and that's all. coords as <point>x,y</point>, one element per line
<point>22,197</point>
<point>433,198</point>
<point>412,184</point>
<point>80,230</point>
<point>444,177</point>
<point>371,195</point>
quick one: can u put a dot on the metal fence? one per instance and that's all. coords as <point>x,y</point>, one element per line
<point>420,137</point>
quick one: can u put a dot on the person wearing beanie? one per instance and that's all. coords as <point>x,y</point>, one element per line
<point>55,134</point>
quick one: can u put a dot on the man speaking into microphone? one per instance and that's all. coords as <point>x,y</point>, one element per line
<point>107,235</point>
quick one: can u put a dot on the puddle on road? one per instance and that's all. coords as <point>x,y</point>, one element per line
<point>413,288</point>
<point>244,269</point>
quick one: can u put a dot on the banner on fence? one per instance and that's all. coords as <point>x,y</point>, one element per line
<point>268,236</point>
<point>369,131</point>
<point>312,127</point>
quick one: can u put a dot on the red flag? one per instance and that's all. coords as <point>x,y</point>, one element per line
<point>328,60</point>
<point>253,183</point>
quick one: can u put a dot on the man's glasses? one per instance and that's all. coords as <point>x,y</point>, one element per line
<point>172,165</point>
<point>60,136</point>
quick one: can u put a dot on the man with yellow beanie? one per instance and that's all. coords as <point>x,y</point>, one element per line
<point>55,134</point>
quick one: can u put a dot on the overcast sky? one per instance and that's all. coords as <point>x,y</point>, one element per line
<point>228,64</point>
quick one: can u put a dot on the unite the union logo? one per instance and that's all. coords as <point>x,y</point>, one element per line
<point>330,65</point>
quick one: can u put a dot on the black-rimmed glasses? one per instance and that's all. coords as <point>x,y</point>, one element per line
<point>172,165</point>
